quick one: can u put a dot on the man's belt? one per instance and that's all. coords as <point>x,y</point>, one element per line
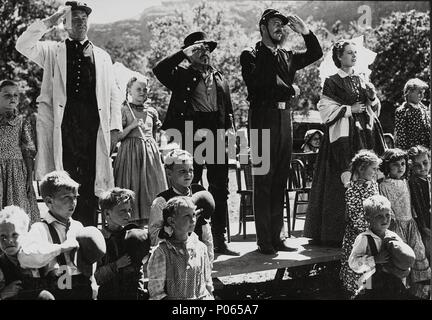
<point>270,105</point>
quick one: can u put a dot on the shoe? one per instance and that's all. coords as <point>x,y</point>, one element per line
<point>223,249</point>
<point>266,250</point>
<point>282,246</point>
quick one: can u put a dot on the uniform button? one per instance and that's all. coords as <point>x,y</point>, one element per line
<point>76,90</point>
<point>184,101</point>
<point>79,66</point>
<point>182,114</point>
<point>79,59</point>
<point>77,84</point>
<point>78,78</point>
<point>79,71</point>
<point>194,79</point>
<point>188,89</point>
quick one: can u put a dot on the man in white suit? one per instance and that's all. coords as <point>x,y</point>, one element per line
<point>79,115</point>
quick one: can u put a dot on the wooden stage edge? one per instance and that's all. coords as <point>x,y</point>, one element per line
<point>252,261</point>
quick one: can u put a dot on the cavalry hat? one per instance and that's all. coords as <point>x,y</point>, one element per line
<point>199,37</point>
<point>204,200</point>
<point>137,243</point>
<point>76,5</point>
<point>401,257</point>
<point>92,247</point>
<point>272,13</point>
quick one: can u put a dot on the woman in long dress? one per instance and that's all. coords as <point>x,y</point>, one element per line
<point>138,165</point>
<point>349,108</point>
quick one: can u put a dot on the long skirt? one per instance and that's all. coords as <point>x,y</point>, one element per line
<point>138,167</point>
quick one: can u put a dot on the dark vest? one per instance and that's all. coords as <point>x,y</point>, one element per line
<point>81,71</point>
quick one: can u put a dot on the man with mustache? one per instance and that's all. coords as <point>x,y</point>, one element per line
<point>201,94</point>
<point>268,71</point>
<point>79,115</point>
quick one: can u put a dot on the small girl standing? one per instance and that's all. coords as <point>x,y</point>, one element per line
<point>395,188</point>
<point>364,167</point>
<point>17,151</point>
<point>138,165</point>
<point>179,267</point>
<point>419,183</point>
<point>412,119</point>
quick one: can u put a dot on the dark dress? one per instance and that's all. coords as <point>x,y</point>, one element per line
<point>325,217</point>
<point>412,126</point>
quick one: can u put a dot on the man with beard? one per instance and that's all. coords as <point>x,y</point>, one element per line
<point>201,94</point>
<point>268,71</point>
<point>78,117</point>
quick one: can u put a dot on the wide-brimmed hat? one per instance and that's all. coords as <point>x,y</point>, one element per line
<point>272,13</point>
<point>309,134</point>
<point>402,257</point>
<point>137,243</point>
<point>204,200</point>
<point>199,37</point>
<point>76,5</point>
<point>92,247</point>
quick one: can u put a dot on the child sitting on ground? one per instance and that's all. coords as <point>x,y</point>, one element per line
<point>179,169</point>
<point>16,282</point>
<point>179,267</point>
<point>51,243</point>
<point>118,272</point>
<point>380,255</point>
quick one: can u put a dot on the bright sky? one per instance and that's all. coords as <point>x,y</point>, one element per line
<point>112,10</point>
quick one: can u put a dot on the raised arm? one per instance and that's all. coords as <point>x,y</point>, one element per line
<point>167,70</point>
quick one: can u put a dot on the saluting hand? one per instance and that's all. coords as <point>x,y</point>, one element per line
<point>194,49</point>
<point>297,24</point>
<point>57,17</point>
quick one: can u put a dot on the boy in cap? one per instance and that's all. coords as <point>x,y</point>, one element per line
<point>51,244</point>
<point>201,94</point>
<point>119,272</point>
<point>380,255</point>
<point>268,71</point>
<point>79,117</point>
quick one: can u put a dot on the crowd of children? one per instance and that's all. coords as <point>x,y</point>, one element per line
<point>386,243</point>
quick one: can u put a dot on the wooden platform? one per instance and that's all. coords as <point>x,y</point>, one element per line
<point>252,261</point>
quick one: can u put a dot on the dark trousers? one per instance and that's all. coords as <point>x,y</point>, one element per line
<point>217,174</point>
<point>268,195</point>
<point>79,134</point>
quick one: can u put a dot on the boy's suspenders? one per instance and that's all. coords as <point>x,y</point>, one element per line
<point>61,259</point>
<point>372,245</point>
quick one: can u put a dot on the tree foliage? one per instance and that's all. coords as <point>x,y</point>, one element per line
<point>15,17</point>
<point>403,47</point>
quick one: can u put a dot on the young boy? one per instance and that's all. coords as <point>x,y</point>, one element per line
<point>16,282</point>
<point>179,170</point>
<point>118,273</point>
<point>50,244</point>
<point>374,254</point>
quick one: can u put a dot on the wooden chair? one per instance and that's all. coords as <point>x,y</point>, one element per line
<point>297,183</point>
<point>389,139</point>
<point>246,213</point>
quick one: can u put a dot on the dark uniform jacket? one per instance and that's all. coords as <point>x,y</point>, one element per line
<point>183,82</point>
<point>269,77</point>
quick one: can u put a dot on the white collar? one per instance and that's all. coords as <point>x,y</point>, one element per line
<point>343,74</point>
<point>50,219</point>
<point>189,193</point>
<point>82,41</point>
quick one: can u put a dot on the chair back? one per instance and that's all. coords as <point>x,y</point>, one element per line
<point>389,139</point>
<point>297,175</point>
<point>244,176</point>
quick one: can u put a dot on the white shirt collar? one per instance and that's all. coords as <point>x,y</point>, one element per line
<point>50,219</point>
<point>82,41</point>
<point>343,74</point>
<point>189,193</point>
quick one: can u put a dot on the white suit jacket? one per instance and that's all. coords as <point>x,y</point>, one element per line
<point>51,56</point>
